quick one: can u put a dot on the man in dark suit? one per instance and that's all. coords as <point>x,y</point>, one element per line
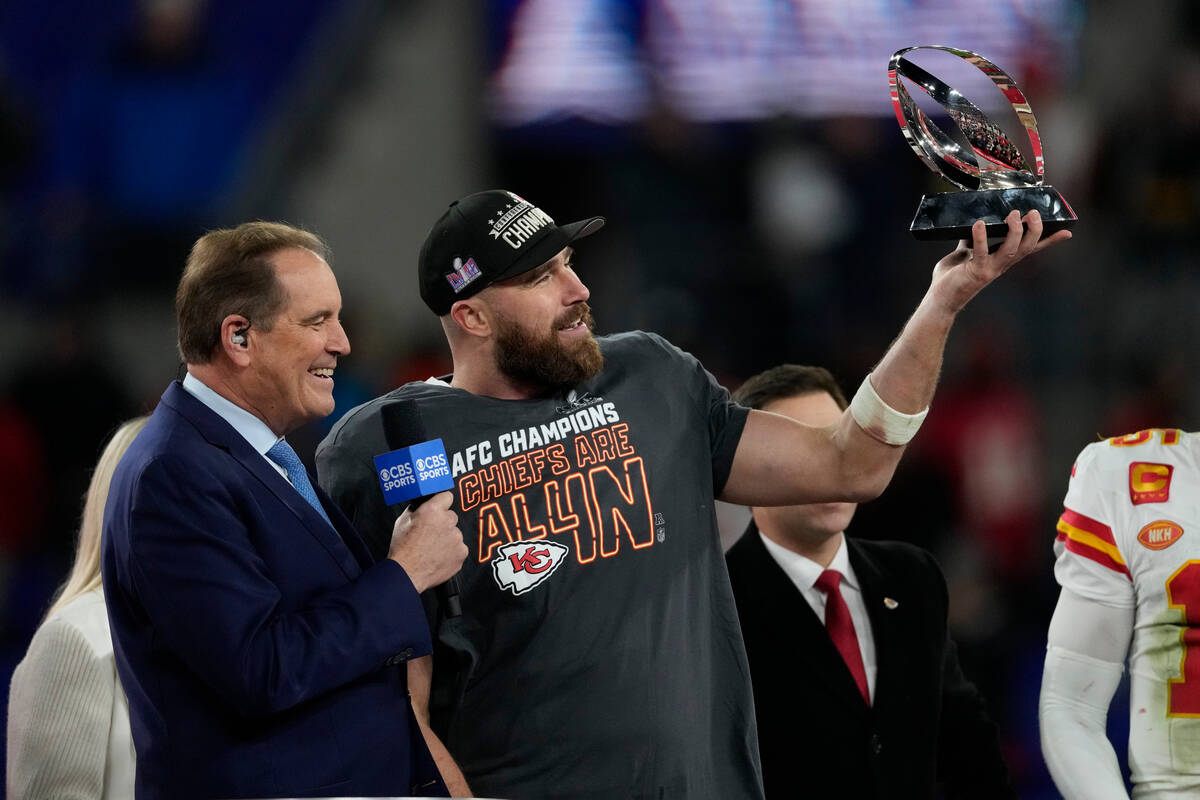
<point>857,687</point>
<point>262,650</point>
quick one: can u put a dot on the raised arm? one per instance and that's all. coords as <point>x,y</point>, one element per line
<point>782,462</point>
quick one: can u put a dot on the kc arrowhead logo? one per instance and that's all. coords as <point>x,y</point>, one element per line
<point>520,566</point>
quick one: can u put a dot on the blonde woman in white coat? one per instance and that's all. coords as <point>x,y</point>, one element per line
<point>68,720</point>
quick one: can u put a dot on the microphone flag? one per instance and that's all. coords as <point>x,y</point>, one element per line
<point>411,472</point>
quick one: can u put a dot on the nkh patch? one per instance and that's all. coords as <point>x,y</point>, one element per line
<point>1149,482</point>
<point>1159,535</point>
<point>520,566</point>
<point>463,274</point>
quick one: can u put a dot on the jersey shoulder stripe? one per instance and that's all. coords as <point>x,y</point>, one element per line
<point>1091,539</point>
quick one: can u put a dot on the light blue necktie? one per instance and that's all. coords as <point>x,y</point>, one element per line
<point>282,454</point>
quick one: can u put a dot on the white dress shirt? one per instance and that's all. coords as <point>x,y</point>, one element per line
<point>252,429</point>
<point>804,573</point>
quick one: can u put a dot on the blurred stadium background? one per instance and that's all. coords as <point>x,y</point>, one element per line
<point>758,194</point>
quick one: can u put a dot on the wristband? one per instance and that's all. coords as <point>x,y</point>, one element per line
<point>879,420</point>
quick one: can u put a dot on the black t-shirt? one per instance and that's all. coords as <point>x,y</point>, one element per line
<point>598,653</point>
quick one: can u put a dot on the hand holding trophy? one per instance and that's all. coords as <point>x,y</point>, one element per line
<point>994,175</point>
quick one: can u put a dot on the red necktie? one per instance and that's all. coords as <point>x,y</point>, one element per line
<point>841,628</point>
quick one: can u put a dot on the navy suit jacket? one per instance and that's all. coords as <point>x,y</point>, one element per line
<point>926,727</point>
<point>262,651</point>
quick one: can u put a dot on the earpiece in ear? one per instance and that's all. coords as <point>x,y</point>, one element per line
<point>239,336</point>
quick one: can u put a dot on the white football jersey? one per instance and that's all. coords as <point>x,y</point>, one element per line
<point>1129,536</point>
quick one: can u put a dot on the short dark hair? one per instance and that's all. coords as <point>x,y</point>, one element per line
<point>788,380</point>
<point>229,271</point>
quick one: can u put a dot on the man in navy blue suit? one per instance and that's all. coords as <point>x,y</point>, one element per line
<point>263,650</point>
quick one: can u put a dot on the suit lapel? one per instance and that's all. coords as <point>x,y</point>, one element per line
<point>800,630</point>
<point>886,622</point>
<point>220,433</point>
<point>345,527</point>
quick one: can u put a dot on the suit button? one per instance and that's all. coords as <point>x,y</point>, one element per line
<point>876,744</point>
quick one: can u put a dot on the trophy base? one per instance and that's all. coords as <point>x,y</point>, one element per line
<point>950,215</point>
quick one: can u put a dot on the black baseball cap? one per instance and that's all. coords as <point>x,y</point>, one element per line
<point>487,237</point>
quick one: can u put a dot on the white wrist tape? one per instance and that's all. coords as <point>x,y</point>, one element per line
<point>881,421</point>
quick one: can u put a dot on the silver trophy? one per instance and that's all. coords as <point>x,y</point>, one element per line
<point>993,174</point>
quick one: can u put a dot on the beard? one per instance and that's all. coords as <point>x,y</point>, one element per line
<point>542,360</point>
